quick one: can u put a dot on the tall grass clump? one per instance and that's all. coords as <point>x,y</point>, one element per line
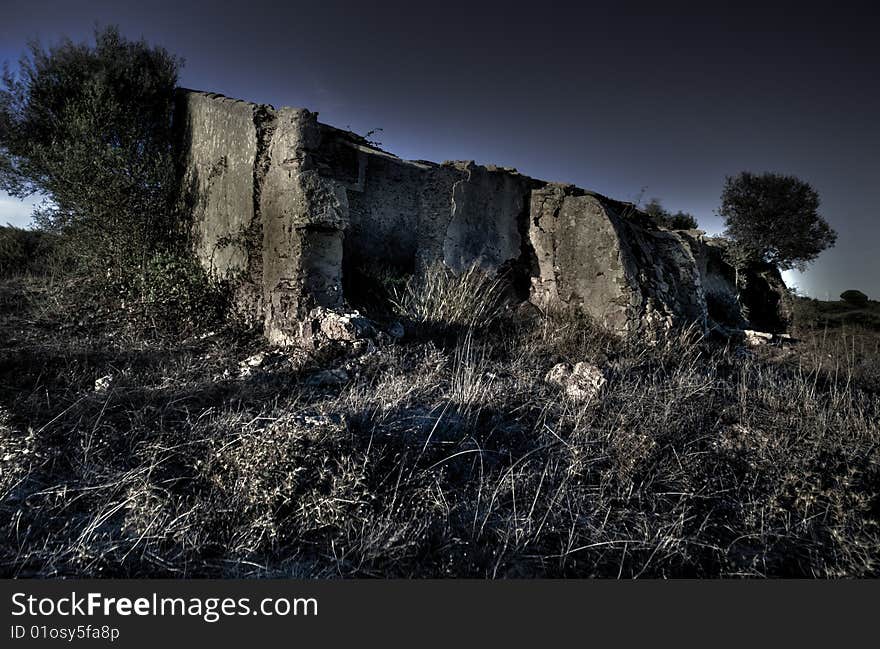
<point>442,300</point>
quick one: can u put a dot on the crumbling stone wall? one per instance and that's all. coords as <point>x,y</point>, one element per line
<point>283,205</point>
<point>220,137</point>
<point>608,260</point>
<point>583,262</point>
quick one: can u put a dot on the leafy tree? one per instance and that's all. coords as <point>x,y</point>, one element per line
<point>89,127</point>
<point>678,221</point>
<point>774,218</point>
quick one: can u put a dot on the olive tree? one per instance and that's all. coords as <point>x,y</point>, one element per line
<point>88,126</point>
<point>775,219</point>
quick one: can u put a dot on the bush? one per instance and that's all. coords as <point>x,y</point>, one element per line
<point>177,295</point>
<point>28,252</point>
<point>90,126</point>
<point>666,219</point>
<point>854,297</point>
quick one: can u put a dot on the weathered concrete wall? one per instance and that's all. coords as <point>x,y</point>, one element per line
<point>718,279</point>
<point>582,260</point>
<point>266,220</point>
<point>385,212</point>
<point>304,215</point>
<point>413,214</point>
<point>669,280</point>
<point>601,257</point>
<point>220,154</point>
<point>284,206</point>
<point>487,207</point>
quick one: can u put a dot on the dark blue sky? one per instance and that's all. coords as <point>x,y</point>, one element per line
<point>662,96</point>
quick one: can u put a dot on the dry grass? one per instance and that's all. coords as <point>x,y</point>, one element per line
<point>444,457</point>
<point>440,300</point>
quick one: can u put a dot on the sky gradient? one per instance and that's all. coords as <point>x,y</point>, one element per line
<point>635,101</point>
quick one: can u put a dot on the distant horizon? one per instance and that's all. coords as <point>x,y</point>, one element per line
<point>685,98</point>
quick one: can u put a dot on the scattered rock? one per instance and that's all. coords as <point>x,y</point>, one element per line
<point>254,361</point>
<point>585,382</point>
<point>326,325</point>
<point>103,384</point>
<point>362,353</point>
<point>558,374</point>
<point>754,338</point>
<point>362,348</point>
<point>317,420</point>
<point>582,382</point>
<point>267,362</point>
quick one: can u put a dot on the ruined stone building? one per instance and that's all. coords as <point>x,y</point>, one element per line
<point>284,206</point>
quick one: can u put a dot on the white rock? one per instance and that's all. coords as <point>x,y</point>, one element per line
<point>254,361</point>
<point>585,382</point>
<point>103,384</point>
<point>755,338</point>
<point>558,374</point>
<point>582,382</point>
<point>328,325</point>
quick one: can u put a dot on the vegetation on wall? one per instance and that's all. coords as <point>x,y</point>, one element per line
<point>664,218</point>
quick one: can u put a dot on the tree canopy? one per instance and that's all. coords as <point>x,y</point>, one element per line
<point>854,296</point>
<point>775,219</point>
<point>89,127</point>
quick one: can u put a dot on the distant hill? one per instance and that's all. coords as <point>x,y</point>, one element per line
<point>810,313</point>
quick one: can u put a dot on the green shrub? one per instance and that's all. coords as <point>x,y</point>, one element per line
<point>173,296</point>
<point>90,126</point>
<point>774,218</point>
<point>666,219</point>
